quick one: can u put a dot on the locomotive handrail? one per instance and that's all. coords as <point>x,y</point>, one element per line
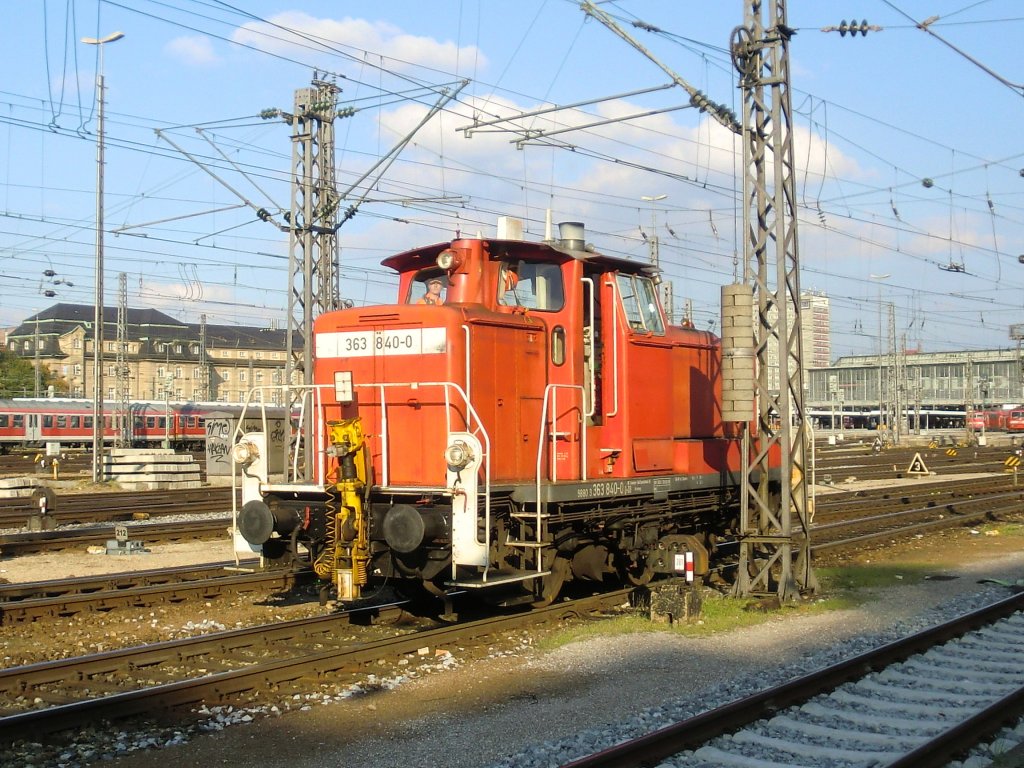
<point>471,417</point>
<point>615,348</point>
<point>302,391</point>
<point>469,380</point>
<point>592,372</point>
<point>550,396</point>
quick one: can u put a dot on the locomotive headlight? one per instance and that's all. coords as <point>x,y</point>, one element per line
<point>244,452</point>
<point>458,455</point>
<point>447,259</point>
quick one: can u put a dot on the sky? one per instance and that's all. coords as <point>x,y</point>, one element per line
<point>910,161</point>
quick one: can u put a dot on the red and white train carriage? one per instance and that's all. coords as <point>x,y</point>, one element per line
<point>33,422</point>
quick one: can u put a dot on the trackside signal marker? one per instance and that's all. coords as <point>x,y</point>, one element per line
<point>917,466</point>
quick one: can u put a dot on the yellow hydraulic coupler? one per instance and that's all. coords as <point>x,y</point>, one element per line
<point>347,556</point>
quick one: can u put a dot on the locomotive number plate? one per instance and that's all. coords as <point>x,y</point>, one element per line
<point>411,341</point>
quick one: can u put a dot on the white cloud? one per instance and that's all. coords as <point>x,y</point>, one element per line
<point>293,29</point>
<point>194,51</point>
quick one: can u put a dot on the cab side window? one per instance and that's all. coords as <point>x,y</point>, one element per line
<point>530,285</point>
<point>639,298</point>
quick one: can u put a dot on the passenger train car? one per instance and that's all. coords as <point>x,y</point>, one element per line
<point>537,421</point>
<point>33,422</point>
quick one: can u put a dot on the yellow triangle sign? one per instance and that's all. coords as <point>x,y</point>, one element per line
<point>917,466</point>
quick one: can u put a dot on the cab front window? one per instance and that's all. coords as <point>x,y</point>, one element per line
<point>428,288</point>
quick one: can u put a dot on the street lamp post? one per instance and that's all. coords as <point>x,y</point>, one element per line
<point>168,383</point>
<point>653,244</point>
<point>653,241</point>
<point>97,344</point>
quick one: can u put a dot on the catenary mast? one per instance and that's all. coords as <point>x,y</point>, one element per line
<point>774,527</point>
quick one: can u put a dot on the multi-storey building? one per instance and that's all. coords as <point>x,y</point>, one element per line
<point>164,358</point>
<point>816,329</point>
<point>815,335</point>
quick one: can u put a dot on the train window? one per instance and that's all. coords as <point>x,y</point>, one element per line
<point>19,420</point>
<point>640,302</point>
<point>191,421</point>
<point>150,422</point>
<point>558,345</point>
<point>4,418</point>
<point>201,421</point>
<point>162,423</point>
<point>62,422</point>
<point>430,287</point>
<point>535,286</point>
<point>88,422</point>
<point>47,421</point>
<point>76,422</point>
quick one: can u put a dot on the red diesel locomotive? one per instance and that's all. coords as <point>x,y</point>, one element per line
<point>536,420</point>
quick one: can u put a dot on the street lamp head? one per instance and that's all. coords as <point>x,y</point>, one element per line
<point>653,199</point>
<point>886,276</point>
<point>101,40</point>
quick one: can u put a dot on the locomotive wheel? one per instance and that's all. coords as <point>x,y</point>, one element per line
<point>551,584</point>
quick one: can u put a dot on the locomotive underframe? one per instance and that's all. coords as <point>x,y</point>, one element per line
<point>627,537</point>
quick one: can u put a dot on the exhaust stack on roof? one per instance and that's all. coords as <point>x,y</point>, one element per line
<point>571,235</point>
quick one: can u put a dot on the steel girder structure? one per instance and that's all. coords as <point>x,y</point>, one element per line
<point>313,221</point>
<point>774,540</point>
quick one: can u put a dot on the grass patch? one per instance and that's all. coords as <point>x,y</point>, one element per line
<point>852,579</point>
<point>1004,529</point>
<point>718,614</point>
<point>841,588</point>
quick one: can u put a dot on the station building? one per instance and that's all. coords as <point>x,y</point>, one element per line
<point>165,358</point>
<point>930,389</point>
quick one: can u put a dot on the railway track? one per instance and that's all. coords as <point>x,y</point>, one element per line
<point>915,702</point>
<point>80,538</point>
<point>847,523</point>
<point>91,508</point>
<point>236,666</point>
<point>864,464</point>
<point>59,599</point>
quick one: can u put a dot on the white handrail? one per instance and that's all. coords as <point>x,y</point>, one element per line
<point>615,348</point>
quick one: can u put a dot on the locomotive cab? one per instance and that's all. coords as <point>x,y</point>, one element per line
<point>522,416</point>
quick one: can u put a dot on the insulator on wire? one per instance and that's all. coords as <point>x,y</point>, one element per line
<point>853,28</point>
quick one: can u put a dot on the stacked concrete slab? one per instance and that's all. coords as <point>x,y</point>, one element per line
<point>18,487</point>
<point>149,469</point>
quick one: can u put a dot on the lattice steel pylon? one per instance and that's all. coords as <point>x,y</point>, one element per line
<point>313,221</point>
<point>774,535</point>
<point>313,227</point>
<point>123,417</point>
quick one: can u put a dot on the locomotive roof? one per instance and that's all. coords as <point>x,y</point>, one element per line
<point>521,249</point>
